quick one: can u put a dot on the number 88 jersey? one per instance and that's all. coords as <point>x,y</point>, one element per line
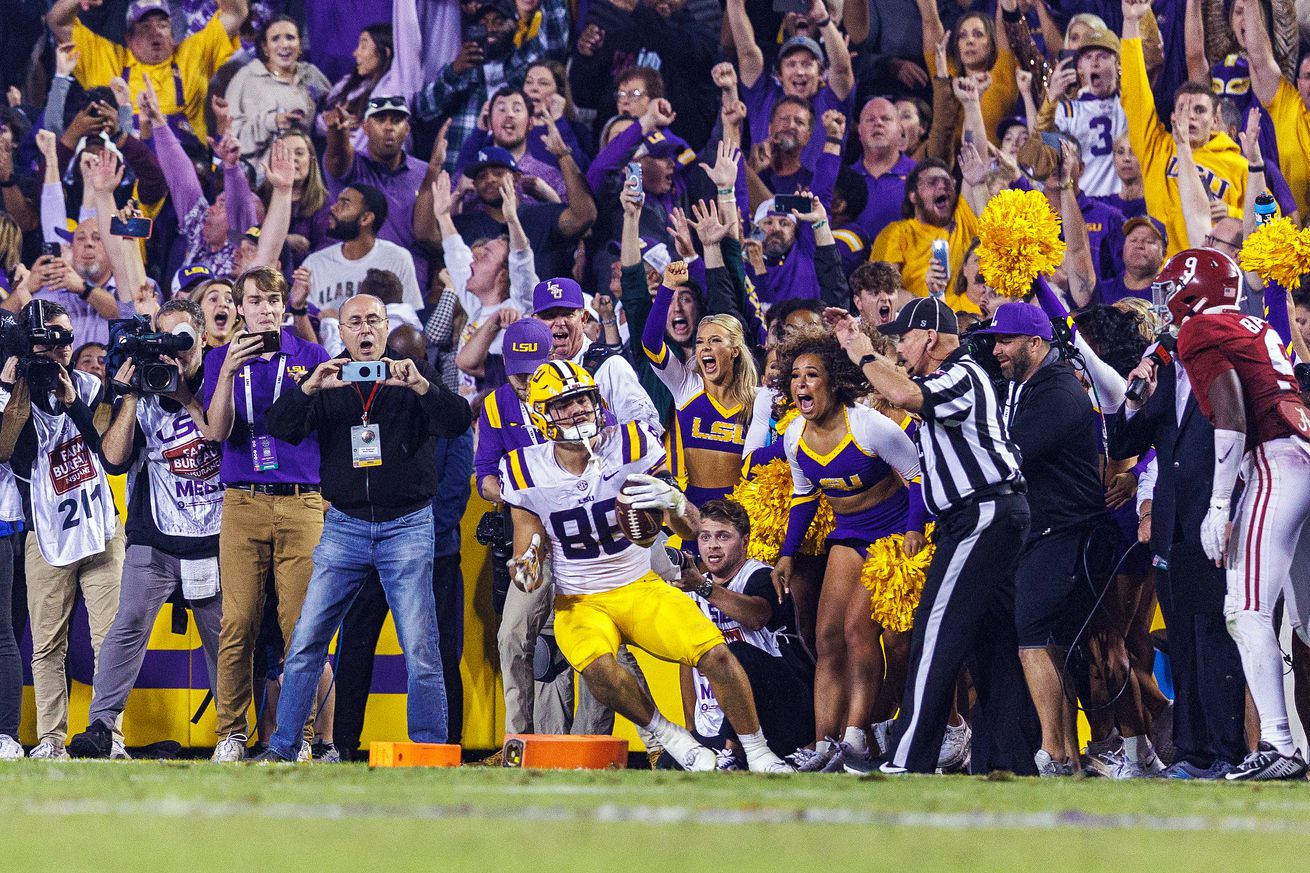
<point>590,554</point>
<point>1214,342</point>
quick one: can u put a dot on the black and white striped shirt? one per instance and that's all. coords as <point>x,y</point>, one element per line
<point>964,443</point>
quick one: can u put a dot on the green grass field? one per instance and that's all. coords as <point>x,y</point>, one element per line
<point>197,817</point>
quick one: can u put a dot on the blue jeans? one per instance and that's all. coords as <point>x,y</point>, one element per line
<point>401,550</point>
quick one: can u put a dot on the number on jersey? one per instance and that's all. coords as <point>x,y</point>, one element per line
<point>1277,355</point>
<point>584,534</point>
<point>69,507</point>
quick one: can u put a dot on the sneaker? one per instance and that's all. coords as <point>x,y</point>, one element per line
<point>770,763</point>
<point>808,760</point>
<point>691,755</point>
<point>119,752</point>
<point>858,763</point>
<point>268,756</point>
<point>1152,766</point>
<point>48,751</point>
<point>957,749</point>
<point>890,769</point>
<point>230,749</point>
<point>1117,765</point>
<point>881,734</point>
<point>306,753</point>
<point>837,760</point>
<point>1185,770</point>
<point>97,741</point>
<point>325,753</point>
<point>1049,767</point>
<point>1266,763</point>
<point>727,761</point>
<point>10,749</point>
<point>1102,757</point>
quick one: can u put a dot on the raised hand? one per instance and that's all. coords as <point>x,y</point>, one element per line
<point>123,94</point>
<point>281,167</point>
<point>972,166</point>
<point>1135,10</point>
<point>1063,78</point>
<point>724,171</point>
<point>724,75</point>
<point>441,196</point>
<point>105,173</point>
<point>709,226</point>
<point>834,124</point>
<point>1250,138</point>
<point>816,214</point>
<point>680,230</point>
<point>66,58</point>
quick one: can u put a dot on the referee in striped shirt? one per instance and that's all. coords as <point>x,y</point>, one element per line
<point>971,482</point>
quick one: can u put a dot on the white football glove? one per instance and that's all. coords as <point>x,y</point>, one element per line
<point>651,493</point>
<point>525,570</point>
<point>660,562</point>
<point>1215,529</point>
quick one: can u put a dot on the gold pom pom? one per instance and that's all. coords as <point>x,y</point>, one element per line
<point>766,497</point>
<point>895,581</point>
<point>1019,239</point>
<point>1278,252</point>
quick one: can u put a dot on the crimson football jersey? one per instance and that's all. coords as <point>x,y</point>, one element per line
<point>1215,342</point>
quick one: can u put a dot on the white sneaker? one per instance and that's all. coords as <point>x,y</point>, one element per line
<point>48,751</point>
<point>1113,765</point>
<point>727,761</point>
<point>1048,767</point>
<point>689,754</point>
<point>118,752</point>
<point>768,762</point>
<point>230,749</point>
<point>10,750</point>
<point>957,748</point>
<point>809,761</point>
<point>306,753</point>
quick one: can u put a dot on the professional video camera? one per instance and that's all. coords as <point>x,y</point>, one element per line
<point>19,336</point>
<point>496,530</point>
<point>132,338</point>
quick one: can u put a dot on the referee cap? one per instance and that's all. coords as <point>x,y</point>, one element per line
<point>922,313</point>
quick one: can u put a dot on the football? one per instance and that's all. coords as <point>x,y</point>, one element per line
<point>641,526</point>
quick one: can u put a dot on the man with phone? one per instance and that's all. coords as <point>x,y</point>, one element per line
<point>272,508</point>
<point>174,505</point>
<point>377,420</point>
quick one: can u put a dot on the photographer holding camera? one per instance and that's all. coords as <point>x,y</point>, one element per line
<point>272,509</point>
<point>174,504</point>
<point>376,419</point>
<point>49,433</point>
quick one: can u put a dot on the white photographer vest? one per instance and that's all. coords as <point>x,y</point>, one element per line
<point>181,467</point>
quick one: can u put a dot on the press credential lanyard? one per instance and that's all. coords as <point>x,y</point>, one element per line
<point>263,453</point>
<point>366,439</point>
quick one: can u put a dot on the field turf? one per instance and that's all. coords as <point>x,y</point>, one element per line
<point>193,817</point>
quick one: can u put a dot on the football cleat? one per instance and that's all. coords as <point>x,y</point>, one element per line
<point>1266,764</point>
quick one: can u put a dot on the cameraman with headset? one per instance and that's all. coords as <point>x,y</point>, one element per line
<point>175,505</point>
<point>1064,564</point>
<point>376,420</point>
<point>50,434</point>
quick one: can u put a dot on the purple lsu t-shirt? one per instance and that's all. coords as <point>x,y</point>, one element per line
<point>760,97</point>
<point>296,464</point>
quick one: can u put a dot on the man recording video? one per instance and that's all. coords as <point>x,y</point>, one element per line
<point>376,420</point>
<point>174,505</point>
<point>49,434</point>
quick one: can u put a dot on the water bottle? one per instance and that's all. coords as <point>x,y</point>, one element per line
<point>1266,208</point>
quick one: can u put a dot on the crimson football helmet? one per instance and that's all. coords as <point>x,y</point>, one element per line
<point>1194,280</point>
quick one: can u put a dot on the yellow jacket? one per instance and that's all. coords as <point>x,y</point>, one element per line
<point>1219,161</point>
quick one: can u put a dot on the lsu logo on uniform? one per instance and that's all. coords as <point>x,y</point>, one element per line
<point>526,346</point>
<point>1214,183</point>
<point>720,431</point>
<point>846,483</point>
<point>297,372</point>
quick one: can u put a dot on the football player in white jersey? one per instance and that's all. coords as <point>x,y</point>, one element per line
<point>1094,116</point>
<point>50,436</point>
<point>564,492</point>
<point>175,505</point>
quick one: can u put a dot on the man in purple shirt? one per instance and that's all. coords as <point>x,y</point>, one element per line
<point>800,71</point>
<point>882,166</point>
<point>386,166</point>
<point>272,509</point>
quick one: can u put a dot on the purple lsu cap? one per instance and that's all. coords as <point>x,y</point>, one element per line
<point>141,8</point>
<point>526,346</point>
<point>557,294</point>
<point>1017,318</point>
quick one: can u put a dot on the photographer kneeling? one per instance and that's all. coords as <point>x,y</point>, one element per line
<point>379,473</point>
<point>174,503</point>
<point>49,435</point>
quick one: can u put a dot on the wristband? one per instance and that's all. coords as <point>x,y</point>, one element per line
<point>820,25</point>
<point>834,140</point>
<point>303,310</point>
<point>86,290</point>
<point>9,183</point>
<point>727,192</point>
<point>822,222</point>
<point>867,360</point>
<point>1255,168</point>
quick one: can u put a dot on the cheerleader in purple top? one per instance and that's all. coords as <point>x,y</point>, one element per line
<point>861,461</point>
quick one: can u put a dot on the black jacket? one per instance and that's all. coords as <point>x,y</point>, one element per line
<point>1055,428</point>
<point>1184,457</point>
<point>406,480</point>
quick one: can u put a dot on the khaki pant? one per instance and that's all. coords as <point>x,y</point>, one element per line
<point>259,532</point>
<point>50,595</point>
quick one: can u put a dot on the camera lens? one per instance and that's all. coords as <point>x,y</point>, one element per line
<point>157,378</point>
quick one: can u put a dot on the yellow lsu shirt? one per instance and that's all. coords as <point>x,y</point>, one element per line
<point>1292,127</point>
<point>197,58</point>
<point>1219,161</point>
<point>908,244</point>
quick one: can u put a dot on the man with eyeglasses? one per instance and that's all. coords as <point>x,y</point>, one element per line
<point>378,467</point>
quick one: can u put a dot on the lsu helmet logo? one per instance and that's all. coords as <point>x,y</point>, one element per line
<point>556,292</point>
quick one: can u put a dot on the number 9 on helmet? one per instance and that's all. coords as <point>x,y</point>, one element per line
<point>551,388</point>
<point>1195,280</point>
